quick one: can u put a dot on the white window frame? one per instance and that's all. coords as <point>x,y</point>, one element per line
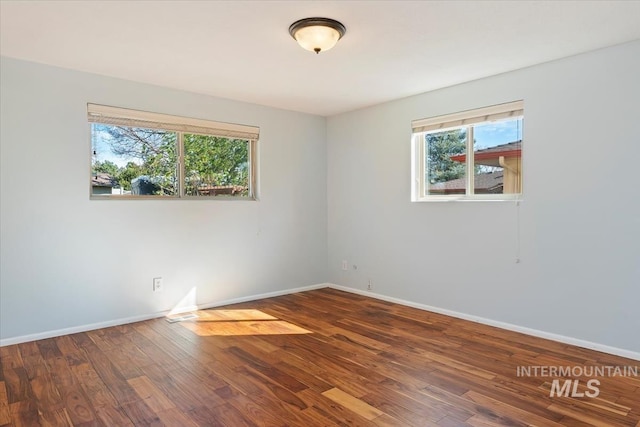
<point>461,120</point>
<point>107,115</point>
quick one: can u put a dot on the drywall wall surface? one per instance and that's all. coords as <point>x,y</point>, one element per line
<point>69,261</point>
<point>576,232</point>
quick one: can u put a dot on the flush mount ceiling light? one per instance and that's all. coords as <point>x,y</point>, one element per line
<point>317,34</point>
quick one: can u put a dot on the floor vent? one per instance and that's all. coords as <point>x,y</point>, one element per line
<point>181,318</point>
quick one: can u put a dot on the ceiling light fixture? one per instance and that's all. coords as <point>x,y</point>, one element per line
<point>317,34</point>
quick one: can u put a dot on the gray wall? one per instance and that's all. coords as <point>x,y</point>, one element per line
<point>579,222</point>
<point>67,261</point>
<point>333,190</point>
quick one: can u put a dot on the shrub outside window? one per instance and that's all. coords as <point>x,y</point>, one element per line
<point>136,154</point>
<point>442,168</point>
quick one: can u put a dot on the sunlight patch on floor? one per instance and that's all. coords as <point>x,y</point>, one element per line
<point>239,322</point>
<point>232,315</point>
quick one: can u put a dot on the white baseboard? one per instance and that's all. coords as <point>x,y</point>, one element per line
<point>502,325</point>
<point>77,329</point>
<point>125,320</point>
<point>263,296</point>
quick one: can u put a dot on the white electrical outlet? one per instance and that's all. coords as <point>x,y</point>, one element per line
<point>158,285</point>
<point>345,265</point>
<point>369,286</point>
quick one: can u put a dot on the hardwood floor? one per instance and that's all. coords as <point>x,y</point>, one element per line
<point>317,358</point>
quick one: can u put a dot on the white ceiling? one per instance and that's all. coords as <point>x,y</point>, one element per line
<point>242,49</point>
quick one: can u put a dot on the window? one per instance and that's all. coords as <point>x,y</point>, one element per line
<point>136,154</point>
<point>444,169</point>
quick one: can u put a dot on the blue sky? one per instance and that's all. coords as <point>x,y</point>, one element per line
<point>100,144</point>
<point>496,133</point>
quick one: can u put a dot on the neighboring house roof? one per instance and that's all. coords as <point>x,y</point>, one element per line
<point>102,180</point>
<point>491,182</point>
<point>490,156</point>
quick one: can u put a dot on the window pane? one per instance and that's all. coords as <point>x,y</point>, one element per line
<point>215,166</point>
<point>497,152</point>
<point>445,162</point>
<point>133,161</point>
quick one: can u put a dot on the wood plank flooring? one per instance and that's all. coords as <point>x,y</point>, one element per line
<point>317,358</point>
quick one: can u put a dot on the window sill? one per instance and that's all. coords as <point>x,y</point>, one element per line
<point>462,198</point>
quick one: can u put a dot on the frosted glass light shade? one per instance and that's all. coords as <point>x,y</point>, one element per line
<point>317,34</point>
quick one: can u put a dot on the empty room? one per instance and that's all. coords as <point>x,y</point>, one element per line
<point>319,213</point>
